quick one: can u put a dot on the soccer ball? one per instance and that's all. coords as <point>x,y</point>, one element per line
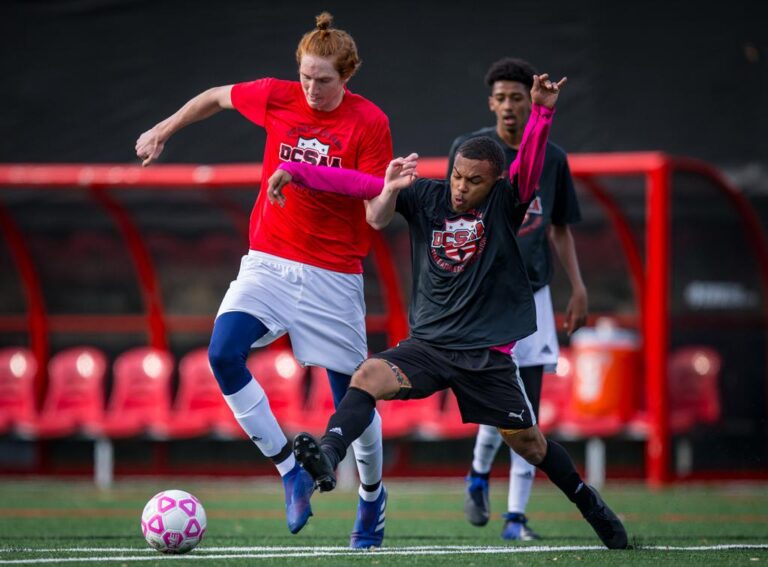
<point>173,521</point>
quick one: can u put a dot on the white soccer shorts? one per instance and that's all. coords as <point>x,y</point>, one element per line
<point>541,348</point>
<point>322,311</point>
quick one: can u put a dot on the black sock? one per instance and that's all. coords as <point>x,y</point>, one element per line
<point>284,453</point>
<point>558,466</point>
<point>371,487</point>
<point>352,416</point>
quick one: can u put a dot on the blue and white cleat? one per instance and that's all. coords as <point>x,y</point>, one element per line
<point>298,487</point>
<point>477,504</point>
<point>368,532</point>
<point>516,528</point>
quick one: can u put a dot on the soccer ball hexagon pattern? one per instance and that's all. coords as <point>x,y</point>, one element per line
<point>173,521</point>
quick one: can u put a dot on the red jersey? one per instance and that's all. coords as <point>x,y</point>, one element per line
<point>319,229</point>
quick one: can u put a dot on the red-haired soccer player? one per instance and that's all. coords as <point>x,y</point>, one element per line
<point>303,272</point>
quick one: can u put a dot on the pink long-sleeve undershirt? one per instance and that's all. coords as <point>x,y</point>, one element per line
<point>527,166</point>
<point>349,182</point>
<point>529,162</point>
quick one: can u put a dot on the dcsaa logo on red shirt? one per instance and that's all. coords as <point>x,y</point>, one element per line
<point>311,151</point>
<point>462,240</point>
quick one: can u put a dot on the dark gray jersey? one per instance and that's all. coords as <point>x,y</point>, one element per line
<point>555,203</point>
<point>470,288</point>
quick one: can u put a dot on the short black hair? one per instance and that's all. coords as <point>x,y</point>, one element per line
<point>484,148</point>
<point>510,69</point>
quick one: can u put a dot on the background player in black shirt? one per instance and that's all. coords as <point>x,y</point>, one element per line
<point>550,213</point>
<point>469,277</point>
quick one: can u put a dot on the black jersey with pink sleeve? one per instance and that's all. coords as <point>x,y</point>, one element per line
<point>469,278</point>
<point>555,203</point>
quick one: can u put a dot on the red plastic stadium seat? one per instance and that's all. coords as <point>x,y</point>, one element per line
<point>74,400</point>
<point>17,393</point>
<point>694,395</point>
<point>444,419</point>
<point>199,408</point>
<point>141,394</point>
<point>283,379</point>
<point>401,418</point>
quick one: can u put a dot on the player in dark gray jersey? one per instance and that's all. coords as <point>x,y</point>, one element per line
<point>548,217</point>
<point>469,277</point>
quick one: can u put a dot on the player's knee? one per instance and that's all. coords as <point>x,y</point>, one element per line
<point>373,376</point>
<point>530,444</point>
<point>364,376</point>
<point>222,358</point>
<point>228,367</point>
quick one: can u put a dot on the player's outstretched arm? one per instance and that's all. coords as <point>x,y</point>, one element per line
<point>347,182</point>
<point>529,163</point>
<point>401,173</point>
<point>150,144</point>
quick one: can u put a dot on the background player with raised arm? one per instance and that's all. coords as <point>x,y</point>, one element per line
<point>550,213</point>
<point>303,272</point>
<point>470,301</point>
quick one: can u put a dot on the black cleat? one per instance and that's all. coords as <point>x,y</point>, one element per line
<point>606,524</point>
<point>307,451</point>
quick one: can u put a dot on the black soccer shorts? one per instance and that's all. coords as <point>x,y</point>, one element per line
<point>486,382</point>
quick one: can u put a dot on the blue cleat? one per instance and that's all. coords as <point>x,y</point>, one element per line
<point>477,504</point>
<point>516,528</point>
<point>368,532</point>
<point>298,490</point>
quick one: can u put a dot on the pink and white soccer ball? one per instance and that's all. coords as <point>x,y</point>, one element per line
<point>173,521</point>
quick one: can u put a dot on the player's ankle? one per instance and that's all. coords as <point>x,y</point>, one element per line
<point>334,447</point>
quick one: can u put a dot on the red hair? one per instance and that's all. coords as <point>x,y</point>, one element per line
<point>325,41</point>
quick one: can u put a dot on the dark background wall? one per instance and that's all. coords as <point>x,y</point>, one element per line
<point>81,79</point>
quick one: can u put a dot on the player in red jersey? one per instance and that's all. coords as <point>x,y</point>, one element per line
<point>303,272</point>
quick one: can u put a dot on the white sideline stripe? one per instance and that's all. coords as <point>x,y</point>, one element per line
<point>343,551</point>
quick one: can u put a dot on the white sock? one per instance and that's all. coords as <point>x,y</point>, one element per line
<point>251,409</point>
<point>487,443</point>
<point>521,475</point>
<point>369,496</point>
<point>286,466</point>
<point>369,456</point>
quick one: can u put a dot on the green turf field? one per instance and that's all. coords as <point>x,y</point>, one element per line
<point>72,523</point>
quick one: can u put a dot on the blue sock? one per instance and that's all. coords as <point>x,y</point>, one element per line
<point>339,384</point>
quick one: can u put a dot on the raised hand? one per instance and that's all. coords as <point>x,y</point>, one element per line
<point>401,173</point>
<point>279,179</point>
<point>545,91</point>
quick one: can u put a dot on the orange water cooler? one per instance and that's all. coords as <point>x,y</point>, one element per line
<point>607,370</point>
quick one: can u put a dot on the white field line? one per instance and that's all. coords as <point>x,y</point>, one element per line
<point>298,552</point>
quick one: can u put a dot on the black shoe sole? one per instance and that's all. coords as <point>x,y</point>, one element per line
<point>307,451</point>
